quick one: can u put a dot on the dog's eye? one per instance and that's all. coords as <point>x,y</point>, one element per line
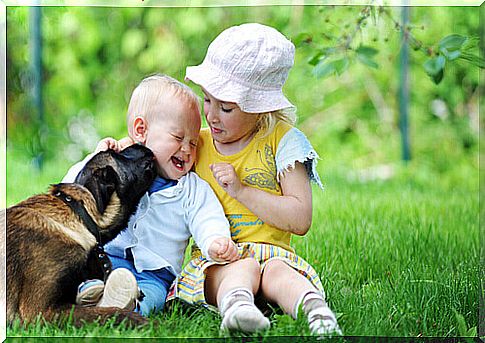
<point>147,165</point>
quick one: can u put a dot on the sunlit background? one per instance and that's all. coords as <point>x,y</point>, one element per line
<point>92,58</point>
<point>394,235</point>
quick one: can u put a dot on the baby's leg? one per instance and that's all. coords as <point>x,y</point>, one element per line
<point>284,286</point>
<point>232,287</point>
<point>121,289</point>
<point>154,286</point>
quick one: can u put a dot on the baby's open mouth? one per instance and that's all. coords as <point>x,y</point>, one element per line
<point>179,164</point>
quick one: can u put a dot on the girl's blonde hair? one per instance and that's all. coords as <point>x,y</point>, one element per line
<point>267,121</point>
<point>152,93</point>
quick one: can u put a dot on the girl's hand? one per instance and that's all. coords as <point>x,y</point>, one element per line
<point>226,177</point>
<point>223,249</point>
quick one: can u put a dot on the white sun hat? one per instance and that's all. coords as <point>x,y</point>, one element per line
<point>248,65</point>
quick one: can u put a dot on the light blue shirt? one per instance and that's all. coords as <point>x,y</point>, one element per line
<point>159,231</point>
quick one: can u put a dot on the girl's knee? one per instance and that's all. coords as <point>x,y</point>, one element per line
<point>241,267</point>
<point>279,271</point>
<point>250,265</point>
<point>276,267</point>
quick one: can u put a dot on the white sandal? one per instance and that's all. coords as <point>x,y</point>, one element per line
<point>322,321</point>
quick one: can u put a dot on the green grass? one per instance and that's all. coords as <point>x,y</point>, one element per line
<point>397,258</point>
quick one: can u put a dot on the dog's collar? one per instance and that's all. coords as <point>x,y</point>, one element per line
<point>90,224</point>
<point>80,210</point>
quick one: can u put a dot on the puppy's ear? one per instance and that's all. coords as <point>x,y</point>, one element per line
<point>102,185</point>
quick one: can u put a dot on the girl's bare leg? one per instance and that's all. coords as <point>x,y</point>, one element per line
<point>220,279</point>
<point>289,289</point>
<point>283,285</point>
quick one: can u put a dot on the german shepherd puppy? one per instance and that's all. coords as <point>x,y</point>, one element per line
<point>54,239</point>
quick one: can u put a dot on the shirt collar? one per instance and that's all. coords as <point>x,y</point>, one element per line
<point>161,183</point>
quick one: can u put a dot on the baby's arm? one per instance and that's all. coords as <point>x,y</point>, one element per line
<point>208,223</point>
<point>292,211</point>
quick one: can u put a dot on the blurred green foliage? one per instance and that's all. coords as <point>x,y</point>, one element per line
<point>93,57</point>
<point>344,47</point>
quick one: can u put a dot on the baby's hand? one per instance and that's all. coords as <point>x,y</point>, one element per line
<point>125,142</point>
<point>223,249</point>
<point>226,177</point>
<point>106,144</point>
<point>111,143</point>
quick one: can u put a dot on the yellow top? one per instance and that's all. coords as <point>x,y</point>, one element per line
<point>256,167</point>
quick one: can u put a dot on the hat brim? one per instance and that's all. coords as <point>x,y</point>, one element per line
<point>225,88</point>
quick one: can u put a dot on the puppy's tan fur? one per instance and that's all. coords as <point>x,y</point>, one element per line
<point>50,251</point>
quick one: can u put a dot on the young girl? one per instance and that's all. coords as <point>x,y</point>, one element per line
<point>260,167</point>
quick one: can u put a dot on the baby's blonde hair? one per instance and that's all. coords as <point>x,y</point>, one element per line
<point>151,93</point>
<point>267,121</point>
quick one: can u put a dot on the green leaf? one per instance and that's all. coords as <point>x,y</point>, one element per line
<point>438,77</point>
<point>341,65</point>
<point>302,38</point>
<point>367,61</point>
<point>323,69</point>
<point>365,55</point>
<point>367,51</point>
<point>320,55</point>
<point>433,66</point>
<point>450,56</point>
<point>452,42</point>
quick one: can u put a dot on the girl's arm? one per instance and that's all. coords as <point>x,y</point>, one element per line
<point>291,211</point>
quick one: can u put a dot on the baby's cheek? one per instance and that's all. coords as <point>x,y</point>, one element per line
<point>193,156</point>
<point>191,164</point>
